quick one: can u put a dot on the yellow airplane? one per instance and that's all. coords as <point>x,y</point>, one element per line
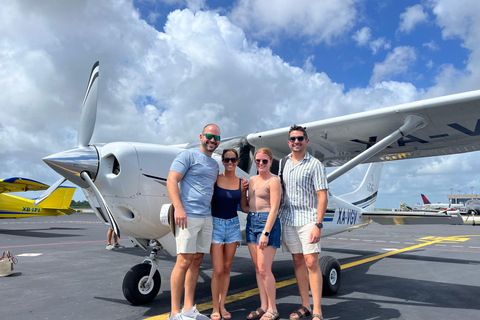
<point>57,203</point>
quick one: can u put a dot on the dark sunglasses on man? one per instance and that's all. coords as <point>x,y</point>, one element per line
<point>299,138</point>
<point>209,136</point>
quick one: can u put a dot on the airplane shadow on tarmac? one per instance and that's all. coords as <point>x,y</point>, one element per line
<point>38,233</point>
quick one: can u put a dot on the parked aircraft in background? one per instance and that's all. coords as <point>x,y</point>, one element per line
<point>441,206</point>
<point>125,182</point>
<point>11,206</point>
<point>472,206</point>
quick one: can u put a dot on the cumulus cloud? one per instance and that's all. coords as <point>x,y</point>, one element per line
<point>459,20</point>
<point>318,21</point>
<point>411,18</point>
<point>397,62</point>
<point>363,38</point>
<point>163,86</point>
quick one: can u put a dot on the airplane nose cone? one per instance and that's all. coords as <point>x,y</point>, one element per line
<point>71,163</point>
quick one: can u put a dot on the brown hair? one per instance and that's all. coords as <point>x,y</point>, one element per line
<point>298,128</point>
<point>231,150</point>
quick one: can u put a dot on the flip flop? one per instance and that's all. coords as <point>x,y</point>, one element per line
<point>215,316</point>
<point>319,316</point>
<point>306,313</point>
<point>226,315</point>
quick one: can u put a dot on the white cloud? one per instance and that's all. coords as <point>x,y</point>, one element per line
<point>380,43</point>
<point>162,87</point>
<point>432,45</point>
<point>459,20</point>
<point>411,18</point>
<point>318,21</point>
<point>362,36</point>
<point>397,62</point>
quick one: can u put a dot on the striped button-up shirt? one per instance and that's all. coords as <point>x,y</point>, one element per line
<point>301,183</point>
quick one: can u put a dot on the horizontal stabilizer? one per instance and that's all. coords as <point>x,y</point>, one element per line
<point>60,199</point>
<point>416,217</point>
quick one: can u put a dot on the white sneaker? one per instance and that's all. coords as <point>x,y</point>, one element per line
<point>179,316</point>
<point>118,246</point>
<point>194,314</point>
<point>109,247</point>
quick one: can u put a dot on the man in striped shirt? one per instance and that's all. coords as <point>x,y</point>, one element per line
<point>301,213</point>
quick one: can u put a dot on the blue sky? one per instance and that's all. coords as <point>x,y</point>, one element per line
<point>248,65</point>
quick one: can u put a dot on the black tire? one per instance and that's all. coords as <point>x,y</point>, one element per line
<point>332,275</point>
<point>134,288</point>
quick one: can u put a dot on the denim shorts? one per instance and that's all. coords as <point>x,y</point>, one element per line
<point>226,230</point>
<point>255,225</point>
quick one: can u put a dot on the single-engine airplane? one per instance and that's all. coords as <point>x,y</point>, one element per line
<point>125,182</point>
<point>12,206</point>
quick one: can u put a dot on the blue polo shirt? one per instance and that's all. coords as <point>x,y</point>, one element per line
<point>199,175</point>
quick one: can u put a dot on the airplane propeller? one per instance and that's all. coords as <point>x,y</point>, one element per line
<point>80,165</point>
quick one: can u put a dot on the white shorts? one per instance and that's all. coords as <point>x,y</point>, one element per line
<point>196,238</point>
<point>295,239</point>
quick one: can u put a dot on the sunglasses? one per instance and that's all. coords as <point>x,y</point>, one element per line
<point>264,161</point>
<point>299,138</point>
<point>227,160</point>
<point>210,136</point>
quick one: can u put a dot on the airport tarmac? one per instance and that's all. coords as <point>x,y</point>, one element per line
<point>389,272</point>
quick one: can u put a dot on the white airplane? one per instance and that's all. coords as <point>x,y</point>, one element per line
<point>125,182</point>
<point>441,206</point>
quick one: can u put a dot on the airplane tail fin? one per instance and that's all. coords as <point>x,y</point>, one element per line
<point>425,200</point>
<point>366,194</point>
<point>60,199</point>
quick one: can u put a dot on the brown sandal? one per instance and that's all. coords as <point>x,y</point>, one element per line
<point>256,314</point>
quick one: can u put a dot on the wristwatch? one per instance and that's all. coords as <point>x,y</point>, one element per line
<point>319,225</point>
<point>266,233</point>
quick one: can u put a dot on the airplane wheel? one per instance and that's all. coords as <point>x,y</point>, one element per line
<point>134,285</point>
<point>331,273</point>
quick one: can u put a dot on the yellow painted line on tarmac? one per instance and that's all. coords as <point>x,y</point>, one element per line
<point>249,293</point>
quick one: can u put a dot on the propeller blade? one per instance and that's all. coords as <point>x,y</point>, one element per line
<point>89,109</point>
<point>49,191</point>
<point>101,201</point>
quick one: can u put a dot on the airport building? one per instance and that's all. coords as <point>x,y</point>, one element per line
<point>461,198</point>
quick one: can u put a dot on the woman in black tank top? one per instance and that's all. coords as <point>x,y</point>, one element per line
<point>228,194</point>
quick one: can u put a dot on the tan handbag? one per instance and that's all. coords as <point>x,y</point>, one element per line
<point>6,264</point>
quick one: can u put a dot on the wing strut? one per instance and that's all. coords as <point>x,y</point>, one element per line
<point>411,123</point>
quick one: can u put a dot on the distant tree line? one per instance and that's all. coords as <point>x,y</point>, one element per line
<point>80,204</point>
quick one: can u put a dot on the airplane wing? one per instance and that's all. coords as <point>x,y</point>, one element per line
<point>416,217</point>
<point>452,126</point>
<point>21,184</point>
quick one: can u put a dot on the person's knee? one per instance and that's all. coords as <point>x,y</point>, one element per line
<point>184,261</point>
<point>312,262</point>
<point>298,260</point>
<point>197,260</point>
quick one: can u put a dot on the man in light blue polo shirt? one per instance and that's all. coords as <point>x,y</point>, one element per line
<point>190,186</point>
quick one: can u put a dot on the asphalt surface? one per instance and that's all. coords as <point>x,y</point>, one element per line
<point>65,272</point>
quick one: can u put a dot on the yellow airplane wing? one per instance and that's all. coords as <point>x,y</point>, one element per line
<point>21,184</point>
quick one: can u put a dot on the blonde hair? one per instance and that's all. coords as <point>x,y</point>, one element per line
<point>265,151</point>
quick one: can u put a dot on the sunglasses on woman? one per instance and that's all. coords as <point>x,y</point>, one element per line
<point>264,161</point>
<point>299,138</point>
<point>210,136</point>
<point>227,160</point>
